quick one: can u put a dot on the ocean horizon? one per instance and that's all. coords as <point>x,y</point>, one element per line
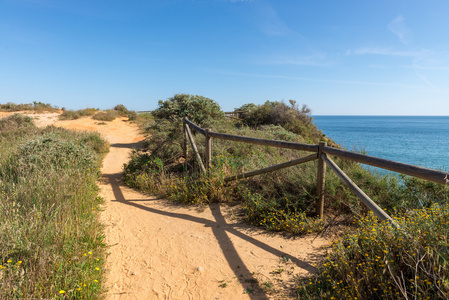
<point>417,140</point>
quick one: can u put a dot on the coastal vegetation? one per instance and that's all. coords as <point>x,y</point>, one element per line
<point>35,106</point>
<point>108,115</point>
<point>52,243</point>
<point>371,260</point>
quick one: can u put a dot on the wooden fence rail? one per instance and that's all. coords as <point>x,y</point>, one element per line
<point>415,171</point>
<point>366,200</point>
<point>322,151</point>
<point>273,168</point>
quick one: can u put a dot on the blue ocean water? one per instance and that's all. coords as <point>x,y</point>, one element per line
<point>417,140</point>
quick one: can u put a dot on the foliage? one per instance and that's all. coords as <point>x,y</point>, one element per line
<point>197,108</point>
<point>108,115</point>
<point>35,106</point>
<point>50,150</point>
<point>379,261</point>
<point>52,243</point>
<point>292,118</point>
<point>132,116</point>
<point>122,110</point>
<point>76,114</point>
<point>15,122</point>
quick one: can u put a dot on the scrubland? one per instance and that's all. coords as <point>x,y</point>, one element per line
<point>371,259</point>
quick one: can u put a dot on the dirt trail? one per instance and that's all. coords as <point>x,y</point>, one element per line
<point>160,250</point>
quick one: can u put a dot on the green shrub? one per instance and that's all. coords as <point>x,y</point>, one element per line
<point>292,118</point>
<point>14,122</point>
<point>108,115</point>
<point>69,115</point>
<point>132,116</point>
<point>122,110</point>
<point>198,109</point>
<point>54,151</point>
<point>87,112</point>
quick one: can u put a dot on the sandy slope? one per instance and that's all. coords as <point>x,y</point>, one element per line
<point>160,250</point>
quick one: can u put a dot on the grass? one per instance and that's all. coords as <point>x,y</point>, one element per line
<point>52,243</point>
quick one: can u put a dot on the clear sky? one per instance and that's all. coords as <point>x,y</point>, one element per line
<point>382,57</point>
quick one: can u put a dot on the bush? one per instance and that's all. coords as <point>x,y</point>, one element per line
<point>290,117</point>
<point>14,122</point>
<point>50,150</point>
<point>69,115</point>
<point>132,116</point>
<point>108,115</point>
<point>198,109</point>
<point>122,110</point>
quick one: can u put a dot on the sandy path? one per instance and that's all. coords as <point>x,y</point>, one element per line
<point>160,250</point>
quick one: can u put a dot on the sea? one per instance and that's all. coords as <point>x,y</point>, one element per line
<point>416,140</point>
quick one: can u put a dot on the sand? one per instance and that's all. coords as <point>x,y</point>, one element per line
<point>163,250</point>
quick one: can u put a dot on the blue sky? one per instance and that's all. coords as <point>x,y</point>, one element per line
<point>338,57</point>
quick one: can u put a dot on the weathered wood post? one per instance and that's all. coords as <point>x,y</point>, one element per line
<point>208,154</point>
<point>320,181</point>
<point>184,124</point>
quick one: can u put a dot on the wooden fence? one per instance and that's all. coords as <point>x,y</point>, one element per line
<point>322,153</point>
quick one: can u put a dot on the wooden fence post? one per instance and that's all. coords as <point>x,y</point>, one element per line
<point>320,181</point>
<point>208,154</point>
<point>184,124</point>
